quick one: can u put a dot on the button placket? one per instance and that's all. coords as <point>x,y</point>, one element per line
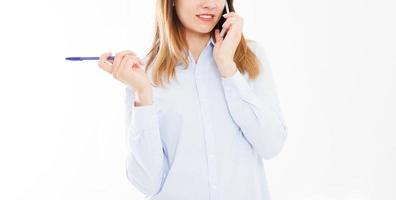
<point>208,133</point>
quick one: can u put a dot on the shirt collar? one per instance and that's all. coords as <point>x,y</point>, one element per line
<point>211,41</point>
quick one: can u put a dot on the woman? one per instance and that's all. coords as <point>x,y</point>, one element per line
<point>204,133</point>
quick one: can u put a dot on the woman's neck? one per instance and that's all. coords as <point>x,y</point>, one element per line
<point>196,43</point>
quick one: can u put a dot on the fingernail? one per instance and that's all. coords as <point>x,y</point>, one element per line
<point>225,15</point>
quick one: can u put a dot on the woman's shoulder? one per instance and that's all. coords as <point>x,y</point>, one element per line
<point>257,47</point>
<point>260,51</point>
<point>261,54</point>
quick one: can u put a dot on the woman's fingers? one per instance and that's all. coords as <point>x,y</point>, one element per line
<point>128,61</point>
<point>229,14</point>
<point>232,17</point>
<point>118,58</point>
<point>228,23</point>
<point>104,63</point>
<point>124,64</point>
<point>232,20</point>
<point>118,68</point>
<point>141,62</point>
<point>121,60</point>
<point>225,28</point>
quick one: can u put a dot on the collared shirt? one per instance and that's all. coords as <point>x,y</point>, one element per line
<point>205,136</point>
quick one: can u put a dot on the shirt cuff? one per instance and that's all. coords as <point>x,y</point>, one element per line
<point>236,82</point>
<point>144,119</point>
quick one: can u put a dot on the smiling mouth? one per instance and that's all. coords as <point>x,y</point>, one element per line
<point>205,17</point>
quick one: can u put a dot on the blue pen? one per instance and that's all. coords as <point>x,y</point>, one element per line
<point>87,58</point>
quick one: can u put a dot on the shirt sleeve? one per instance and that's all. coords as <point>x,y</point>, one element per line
<point>254,106</point>
<point>146,162</point>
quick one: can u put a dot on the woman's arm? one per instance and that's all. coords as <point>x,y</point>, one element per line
<point>146,163</point>
<point>254,106</point>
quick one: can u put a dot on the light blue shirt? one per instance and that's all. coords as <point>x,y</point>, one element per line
<point>205,137</point>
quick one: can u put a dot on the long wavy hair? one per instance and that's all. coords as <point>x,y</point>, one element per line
<point>169,46</point>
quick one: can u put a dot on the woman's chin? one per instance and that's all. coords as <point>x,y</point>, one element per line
<point>202,30</point>
<point>205,30</point>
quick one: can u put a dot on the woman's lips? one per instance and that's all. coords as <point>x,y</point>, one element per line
<point>205,17</point>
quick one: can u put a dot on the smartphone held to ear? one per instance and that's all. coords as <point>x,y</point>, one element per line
<point>223,31</point>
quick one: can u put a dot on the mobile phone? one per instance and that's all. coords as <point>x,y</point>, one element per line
<point>227,9</point>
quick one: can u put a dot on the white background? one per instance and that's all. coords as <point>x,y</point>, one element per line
<point>62,123</point>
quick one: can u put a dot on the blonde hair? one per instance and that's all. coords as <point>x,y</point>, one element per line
<point>169,46</point>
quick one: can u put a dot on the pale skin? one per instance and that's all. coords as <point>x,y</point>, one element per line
<point>130,69</point>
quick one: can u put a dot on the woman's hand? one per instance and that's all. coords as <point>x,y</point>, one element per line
<point>224,50</point>
<point>128,69</point>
